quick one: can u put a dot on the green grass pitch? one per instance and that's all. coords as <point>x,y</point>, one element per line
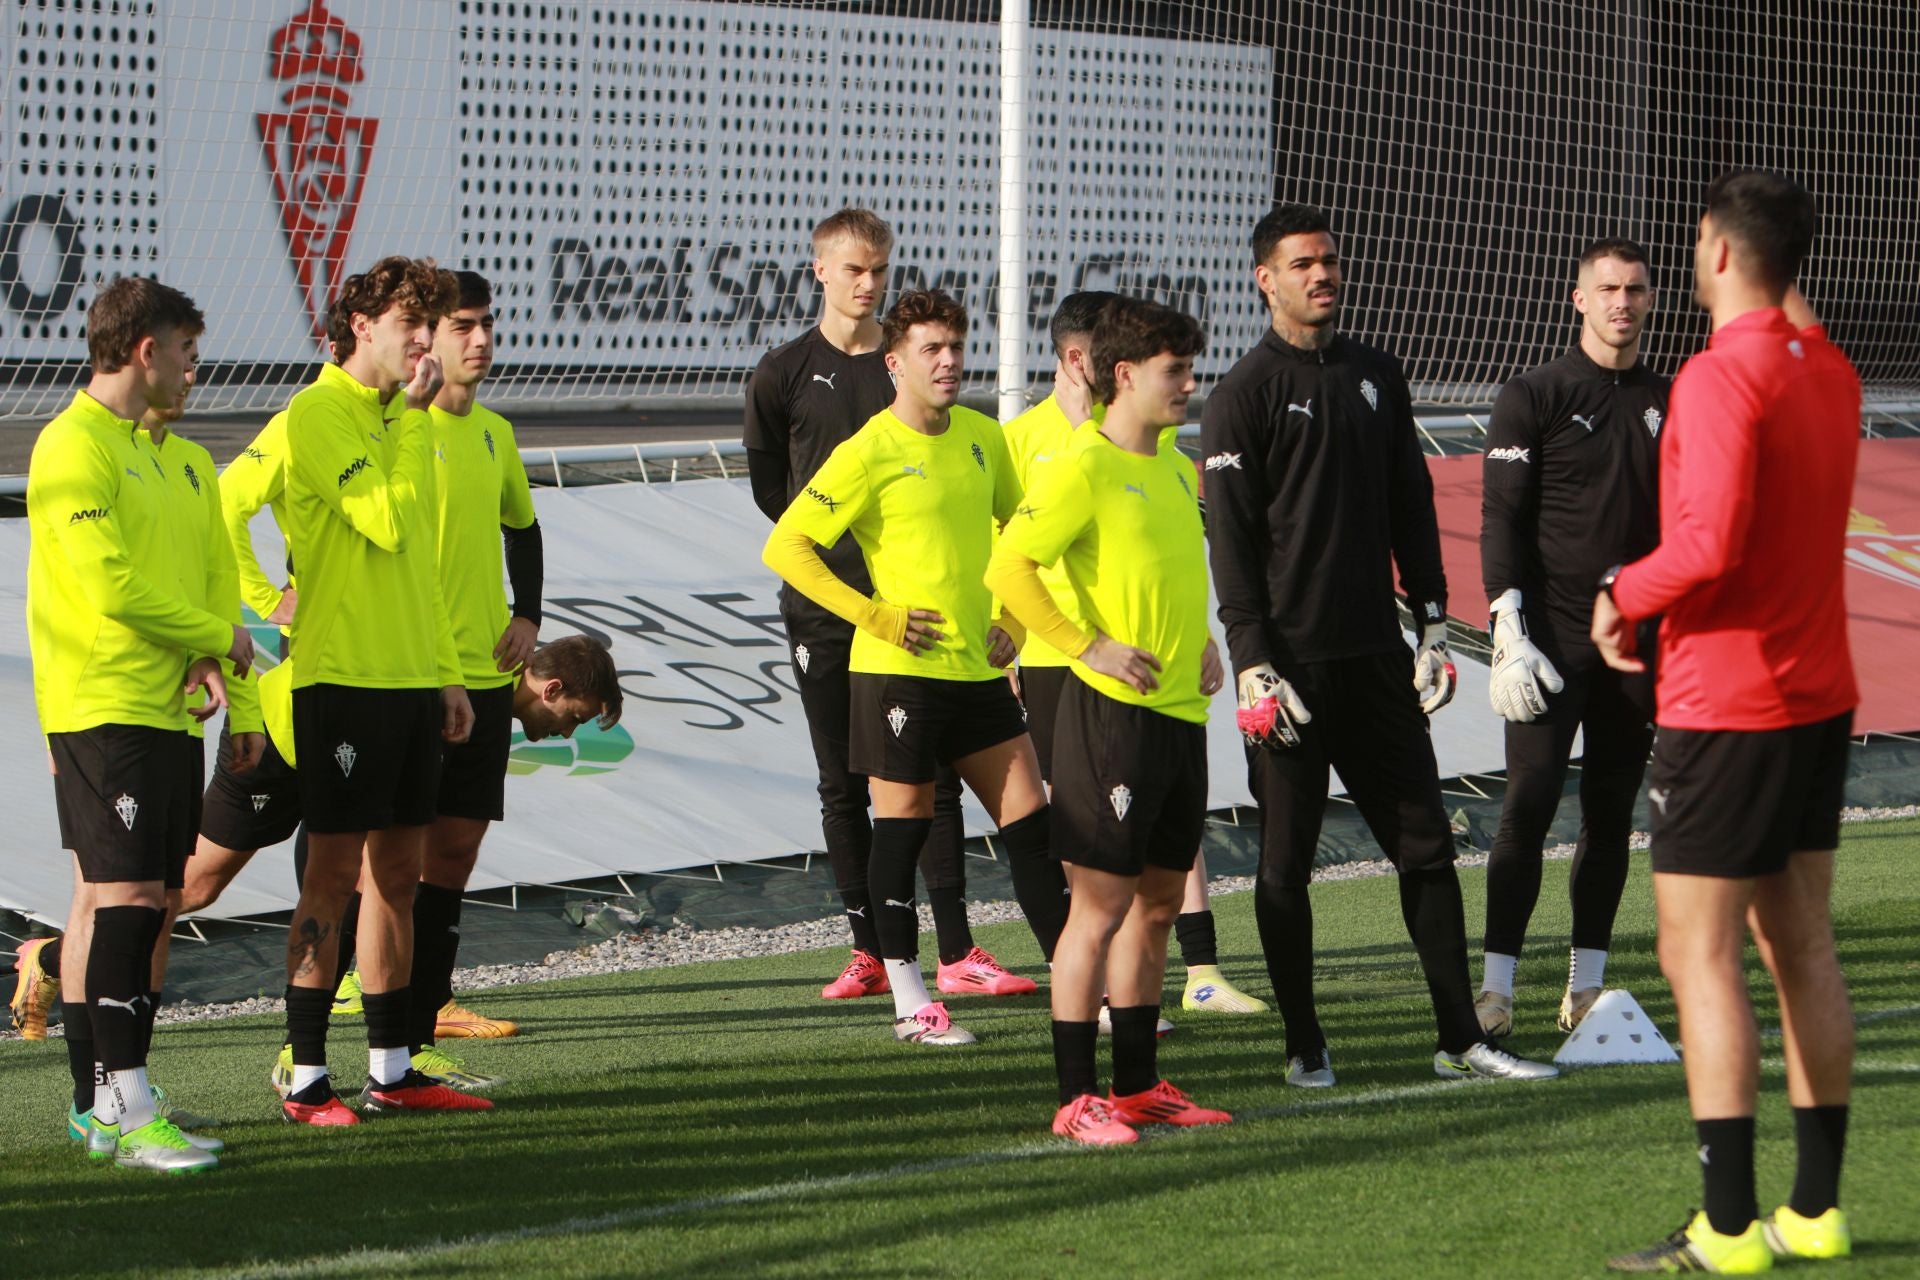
<point>721,1120</point>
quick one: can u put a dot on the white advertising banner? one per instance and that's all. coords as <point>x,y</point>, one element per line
<point>711,762</point>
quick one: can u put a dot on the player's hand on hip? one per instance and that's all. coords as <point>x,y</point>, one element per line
<point>1434,676</point>
<point>1213,672</point>
<point>247,750</point>
<point>921,634</point>
<point>282,614</point>
<point>1001,650</point>
<point>516,644</point>
<point>1271,711</point>
<point>428,378</point>
<point>1133,667</point>
<point>456,714</point>
<point>240,652</point>
<point>1522,676</point>
<point>206,674</point>
<point>1613,635</point>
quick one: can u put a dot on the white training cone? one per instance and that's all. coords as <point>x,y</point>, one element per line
<point>1615,1030</point>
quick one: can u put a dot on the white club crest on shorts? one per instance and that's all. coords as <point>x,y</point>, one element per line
<point>1652,417</point>
<point>1122,798</point>
<point>897,719</point>
<point>1371,392</point>
<point>801,656</point>
<point>259,802</point>
<point>128,808</point>
<point>344,755</point>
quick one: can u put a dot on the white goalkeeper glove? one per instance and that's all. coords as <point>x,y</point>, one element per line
<point>1522,676</point>
<point>1271,712</point>
<point>1433,673</point>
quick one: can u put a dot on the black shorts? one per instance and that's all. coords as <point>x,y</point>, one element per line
<point>904,727</point>
<point>473,774</point>
<point>1129,785</point>
<point>252,810</point>
<point>1737,804</point>
<point>368,758</point>
<point>1040,690</point>
<point>127,799</point>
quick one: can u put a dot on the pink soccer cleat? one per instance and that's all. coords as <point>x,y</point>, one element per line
<point>863,976</point>
<point>978,971</point>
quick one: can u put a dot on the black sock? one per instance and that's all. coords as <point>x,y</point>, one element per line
<point>1136,1048</point>
<point>1437,922</point>
<point>118,965</point>
<point>147,1016</point>
<point>349,926</point>
<point>389,1020</point>
<point>436,945</point>
<point>1726,1165</point>
<point>50,957</point>
<point>1820,1135</point>
<point>859,905</point>
<point>950,929</point>
<point>1039,882</point>
<point>1285,917</point>
<point>890,871</point>
<point>1198,943</point>
<point>1073,1058</point>
<point>78,1020</point>
<point>307,1010</point>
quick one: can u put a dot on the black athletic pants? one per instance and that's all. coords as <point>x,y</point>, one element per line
<point>1368,727</point>
<point>1613,712</point>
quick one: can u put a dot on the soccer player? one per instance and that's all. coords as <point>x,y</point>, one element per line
<point>1316,489</point>
<point>1755,706</point>
<point>1570,487</point>
<point>1120,512</point>
<point>1035,438</point>
<point>806,397</point>
<point>920,487</point>
<point>118,644</point>
<point>484,503</point>
<point>377,685</point>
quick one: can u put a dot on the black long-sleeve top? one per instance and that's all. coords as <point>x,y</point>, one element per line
<point>1316,488</point>
<point>805,397</point>
<point>1570,488</point>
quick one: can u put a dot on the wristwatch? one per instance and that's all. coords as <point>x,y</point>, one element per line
<point>1607,580</point>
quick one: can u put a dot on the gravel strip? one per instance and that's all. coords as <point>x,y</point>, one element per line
<point>678,944</point>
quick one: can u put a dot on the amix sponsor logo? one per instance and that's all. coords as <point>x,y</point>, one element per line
<point>832,504</point>
<point>1512,453</point>
<point>354,468</point>
<point>88,513</point>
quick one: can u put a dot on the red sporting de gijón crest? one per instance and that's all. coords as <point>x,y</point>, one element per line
<point>317,154</point>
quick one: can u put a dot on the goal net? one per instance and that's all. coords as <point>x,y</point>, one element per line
<point>638,177</point>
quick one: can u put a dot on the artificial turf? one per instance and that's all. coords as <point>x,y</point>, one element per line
<point>720,1119</point>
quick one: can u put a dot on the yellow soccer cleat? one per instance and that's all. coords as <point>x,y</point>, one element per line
<point>456,1023</point>
<point>34,991</point>
<point>1208,990</point>
<point>1791,1236</point>
<point>1698,1247</point>
<point>346,1000</point>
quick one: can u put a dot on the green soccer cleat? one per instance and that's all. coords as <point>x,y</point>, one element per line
<point>1698,1247</point>
<point>103,1140</point>
<point>160,1146</point>
<point>448,1070</point>
<point>1791,1236</point>
<point>163,1106</point>
<point>1208,990</point>
<point>346,1000</point>
<point>281,1077</point>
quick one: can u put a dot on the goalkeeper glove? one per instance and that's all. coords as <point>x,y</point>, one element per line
<point>1271,713</point>
<point>1433,673</point>
<point>1522,676</point>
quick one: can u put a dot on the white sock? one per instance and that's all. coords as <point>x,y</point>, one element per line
<point>104,1109</point>
<point>304,1076</point>
<point>909,988</point>
<point>386,1066</point>
<point>1589,968</point>
<point>1499,978</point>
<point>132,1099</point>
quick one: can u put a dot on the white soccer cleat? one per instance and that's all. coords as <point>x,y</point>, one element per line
<point>1311,1070</point>
<point>931,1026</point>
<point>1493,1064</point>
<point>1105,1020</point>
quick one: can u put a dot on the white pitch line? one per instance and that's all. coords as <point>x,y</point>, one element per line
<point>376,1260</point>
